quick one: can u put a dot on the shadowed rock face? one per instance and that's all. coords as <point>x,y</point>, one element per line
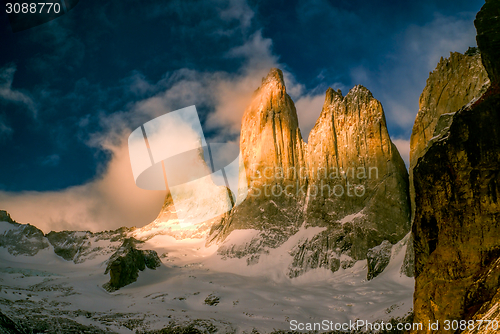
<point>456,81</point>
<point>76,246</point>
<point>5,217</point>
<point>488,37</point>
<point>378,258</point>
<point>348,180</point>
<point>125,264</point>
<point>457,216</point>
<point>7,326</point>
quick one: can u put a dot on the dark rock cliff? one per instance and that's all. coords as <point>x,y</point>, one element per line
<point>457,188</point>
<point>124,265</point>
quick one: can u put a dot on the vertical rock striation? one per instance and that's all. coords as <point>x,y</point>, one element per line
<point>270,136</point>
<point>457,217</point>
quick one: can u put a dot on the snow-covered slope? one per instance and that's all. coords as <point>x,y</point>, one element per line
<point>195,282</point>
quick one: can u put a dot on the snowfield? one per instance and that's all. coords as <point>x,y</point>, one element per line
<point>195,282</point>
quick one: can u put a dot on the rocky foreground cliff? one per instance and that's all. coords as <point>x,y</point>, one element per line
<point>457,209</point>
<point>456,81</point>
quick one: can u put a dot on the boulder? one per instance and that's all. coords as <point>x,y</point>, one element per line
<point>124,265</point>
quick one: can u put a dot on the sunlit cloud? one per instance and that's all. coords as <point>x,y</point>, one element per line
<point>403,146</point>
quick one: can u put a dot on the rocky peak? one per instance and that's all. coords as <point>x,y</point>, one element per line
<point>331,95</point>
<point>274,78</point>
<point>273,155</point>
<point>270,136</point>
<point>5,217</point>
<point>80,246</point>
<point>285,176</point>
<point>20,239</point>
<point>367,201</point>
<point>348,127</point>
<point>456,81</point>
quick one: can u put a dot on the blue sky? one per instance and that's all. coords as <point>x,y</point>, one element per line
<point>72,89</point>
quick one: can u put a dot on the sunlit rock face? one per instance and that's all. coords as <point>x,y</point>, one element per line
<point>270,136</point>
<point>457,216</point>
<point>456,81</point>
<point>273,154</point>
<point>349,181</point>
<point>358,183</point>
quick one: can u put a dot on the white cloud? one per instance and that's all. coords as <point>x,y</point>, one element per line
<point>8,94</point>
<point>403,146</point>
<point>308,111</point>
<point>109,202</point>
<point>256,51</point>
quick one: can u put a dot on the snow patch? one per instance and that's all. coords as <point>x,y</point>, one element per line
<point>6,226</point>
<point>350,218</point>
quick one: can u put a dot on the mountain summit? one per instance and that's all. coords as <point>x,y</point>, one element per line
<point>349,182</point>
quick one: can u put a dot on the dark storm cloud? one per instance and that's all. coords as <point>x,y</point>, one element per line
<point>5,130</point>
